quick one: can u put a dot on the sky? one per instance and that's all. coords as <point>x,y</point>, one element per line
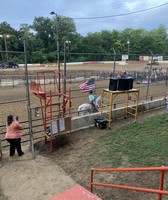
<point>104,14</point>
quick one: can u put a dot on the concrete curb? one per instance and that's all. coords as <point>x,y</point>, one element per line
<point>86,121</point>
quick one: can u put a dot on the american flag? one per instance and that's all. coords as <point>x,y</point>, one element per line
<point>87,85</point>
<point>145,81</point>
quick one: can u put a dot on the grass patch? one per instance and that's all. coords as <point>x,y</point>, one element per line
<point>142,143</point>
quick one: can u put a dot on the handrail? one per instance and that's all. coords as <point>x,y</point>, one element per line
<point>159,191</point>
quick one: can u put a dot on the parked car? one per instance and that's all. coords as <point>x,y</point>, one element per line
<point>12,64</point>
<point>2,65</point>
<point>154,62</point>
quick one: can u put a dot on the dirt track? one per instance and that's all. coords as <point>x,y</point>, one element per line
<point>18,93</point>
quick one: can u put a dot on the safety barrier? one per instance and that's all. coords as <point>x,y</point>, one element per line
<point>159,191</point>
<point>80,122</point>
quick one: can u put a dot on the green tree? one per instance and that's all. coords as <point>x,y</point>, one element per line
<point>159,39</point>
<point>41,41</point>
<point>8,41</point>
<point>46,36</point>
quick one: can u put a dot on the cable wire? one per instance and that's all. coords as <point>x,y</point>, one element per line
<point>123,14</point>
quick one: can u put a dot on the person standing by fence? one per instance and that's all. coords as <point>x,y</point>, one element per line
<point>13,135</point>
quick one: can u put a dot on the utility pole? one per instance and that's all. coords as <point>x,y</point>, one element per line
<point>149,76</point>
<point>58,50</point>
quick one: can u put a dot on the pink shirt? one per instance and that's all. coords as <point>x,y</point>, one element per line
<point>13,131</point>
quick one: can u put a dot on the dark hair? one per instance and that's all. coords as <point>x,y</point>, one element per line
<point>9,119</point>
<point>90,92</point>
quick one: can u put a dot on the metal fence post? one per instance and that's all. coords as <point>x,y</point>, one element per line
<point>28,101</point>
<point>149,76</point>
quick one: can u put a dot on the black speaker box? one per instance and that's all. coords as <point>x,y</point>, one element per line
<point>122,84</point>
<point>125,84</point>
<point>113,84</point>
<point>130,83</point>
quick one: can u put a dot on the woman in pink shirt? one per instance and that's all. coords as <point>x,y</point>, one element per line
<point>13,135</point>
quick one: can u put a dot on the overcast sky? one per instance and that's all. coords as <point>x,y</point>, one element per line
<point>17,12</point>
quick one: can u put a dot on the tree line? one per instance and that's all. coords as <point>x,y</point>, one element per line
<point>41,41</point>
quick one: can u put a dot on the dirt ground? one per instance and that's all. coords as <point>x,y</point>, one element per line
<point>49,173</point>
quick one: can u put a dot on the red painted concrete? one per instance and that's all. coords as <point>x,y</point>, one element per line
<point>75,193</point>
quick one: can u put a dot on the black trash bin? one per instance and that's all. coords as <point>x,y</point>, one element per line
<point>100,122</point>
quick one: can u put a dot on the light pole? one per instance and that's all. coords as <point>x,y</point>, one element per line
<point>58,50</point>
<point>66,44</point>
<point>69,42</point>
<point>114,62</point>
<point>5,36</point>
<point>128,43</point>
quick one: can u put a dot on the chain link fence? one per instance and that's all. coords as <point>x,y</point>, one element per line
<point>15,98</point>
